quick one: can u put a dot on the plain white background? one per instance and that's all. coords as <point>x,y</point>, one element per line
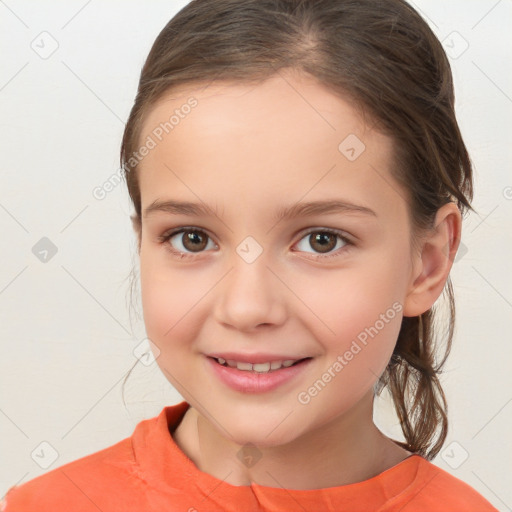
<point>67,82</point>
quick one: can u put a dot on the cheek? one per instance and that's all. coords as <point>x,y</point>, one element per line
<point>367,344</point>
<point>356,314</point>
<point>344,302</point>
<point>168,302</point>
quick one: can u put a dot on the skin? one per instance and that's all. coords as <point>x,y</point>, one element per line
<point>250,150</point>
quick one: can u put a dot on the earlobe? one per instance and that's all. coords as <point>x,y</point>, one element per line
<point>435,261</point>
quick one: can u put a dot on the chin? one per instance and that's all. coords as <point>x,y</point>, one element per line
<point>262,434</point>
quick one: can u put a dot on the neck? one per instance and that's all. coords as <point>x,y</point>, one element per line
<point>346,450</point>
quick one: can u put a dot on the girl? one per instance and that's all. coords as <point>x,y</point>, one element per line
<point>298,179</point>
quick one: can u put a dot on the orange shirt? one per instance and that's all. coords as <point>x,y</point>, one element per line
<point>148,472</point>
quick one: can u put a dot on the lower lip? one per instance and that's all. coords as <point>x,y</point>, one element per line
<point>254,382</point>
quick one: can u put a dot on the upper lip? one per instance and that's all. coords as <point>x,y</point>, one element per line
<point>255,358</point>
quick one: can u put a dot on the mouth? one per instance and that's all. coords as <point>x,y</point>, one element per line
<point>265,367</point>
<point>262,374</point>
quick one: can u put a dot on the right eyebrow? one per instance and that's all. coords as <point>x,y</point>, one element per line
<point>180,208</point>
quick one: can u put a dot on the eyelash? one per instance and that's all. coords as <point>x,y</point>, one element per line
<point>184,255</point>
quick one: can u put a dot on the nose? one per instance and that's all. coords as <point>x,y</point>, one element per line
<point>250,296</point>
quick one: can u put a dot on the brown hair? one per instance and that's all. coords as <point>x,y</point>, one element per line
<point>382,56</point>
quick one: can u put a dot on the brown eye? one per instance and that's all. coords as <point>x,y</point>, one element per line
<point>187,241</point>
<point>322,241</point>
<point>194,240</point>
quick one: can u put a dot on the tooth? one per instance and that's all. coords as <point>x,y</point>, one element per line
<point>261,367</point>
<point>257,367</point>
<point>244,366</point>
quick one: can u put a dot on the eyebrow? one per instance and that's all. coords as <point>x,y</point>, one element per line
<point>301,209</point>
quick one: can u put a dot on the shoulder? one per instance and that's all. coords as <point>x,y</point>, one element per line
<point>434,489</point>
<point>76,486</point>
<point>121,477</point>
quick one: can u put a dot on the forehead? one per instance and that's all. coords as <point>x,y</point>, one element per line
<point>298,96</point>
<point>284,138</point>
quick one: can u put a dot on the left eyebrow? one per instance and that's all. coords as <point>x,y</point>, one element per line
<point>320,208</point>
<point>303,209</point>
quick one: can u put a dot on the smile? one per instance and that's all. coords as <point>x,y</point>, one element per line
<point>264,376</point>
<point>257,367</point>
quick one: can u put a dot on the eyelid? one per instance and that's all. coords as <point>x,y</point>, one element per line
<point>338,253</point>
<point>164,239</point>
<point>343,235</point>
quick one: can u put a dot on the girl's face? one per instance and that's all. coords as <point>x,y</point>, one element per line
<point>246,283</point>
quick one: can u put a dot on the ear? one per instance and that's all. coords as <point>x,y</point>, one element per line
<point>432,265</point>
<point>137,227</point>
